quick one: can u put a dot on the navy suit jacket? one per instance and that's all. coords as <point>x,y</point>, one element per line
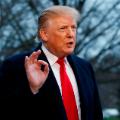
<point>14,83</point>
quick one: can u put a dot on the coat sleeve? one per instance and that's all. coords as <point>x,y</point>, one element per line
<point>6,74</point>
<point>12,80</point>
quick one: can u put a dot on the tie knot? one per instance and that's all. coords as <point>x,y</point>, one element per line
<point>60,61</point>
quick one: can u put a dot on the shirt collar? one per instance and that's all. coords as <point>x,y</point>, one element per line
<point>51,58</point>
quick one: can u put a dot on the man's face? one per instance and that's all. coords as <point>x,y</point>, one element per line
<point>61,36</point>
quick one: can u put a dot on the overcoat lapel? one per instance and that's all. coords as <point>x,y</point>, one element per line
<point>53,94</point>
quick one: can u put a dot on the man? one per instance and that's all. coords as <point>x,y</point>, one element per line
<point>64,83</point>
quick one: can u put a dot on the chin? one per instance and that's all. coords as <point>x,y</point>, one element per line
<point>69,52</point>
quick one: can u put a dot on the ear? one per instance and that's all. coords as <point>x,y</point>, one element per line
<point>43,35</point>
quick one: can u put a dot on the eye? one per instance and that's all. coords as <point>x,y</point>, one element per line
<point>74,27</point>
<point>64,27</point>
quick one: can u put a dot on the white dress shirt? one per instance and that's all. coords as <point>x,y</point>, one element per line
<point>52,59</point>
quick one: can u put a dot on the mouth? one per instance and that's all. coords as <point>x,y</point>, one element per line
<point>70,44</point>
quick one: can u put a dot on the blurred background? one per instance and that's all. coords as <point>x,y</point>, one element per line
<point>98,39</point>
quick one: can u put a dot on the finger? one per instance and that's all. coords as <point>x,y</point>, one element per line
<point>33,57</point>
<point>46,67</point>
<point>26,61</point>
<point>41,62</point>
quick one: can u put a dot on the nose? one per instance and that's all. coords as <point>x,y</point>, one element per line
<point>71,32</point>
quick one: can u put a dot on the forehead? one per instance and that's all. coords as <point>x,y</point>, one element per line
<point>62,20</point>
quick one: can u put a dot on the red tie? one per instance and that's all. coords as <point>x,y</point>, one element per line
<point>67,93</point>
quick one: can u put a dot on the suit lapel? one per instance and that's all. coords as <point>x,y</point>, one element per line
<point>53,93</point>
<point>51,80</point>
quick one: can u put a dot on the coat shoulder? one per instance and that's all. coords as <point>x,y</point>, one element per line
<point>79,60</point>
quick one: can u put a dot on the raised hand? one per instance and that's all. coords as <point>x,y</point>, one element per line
<point>36,76</point>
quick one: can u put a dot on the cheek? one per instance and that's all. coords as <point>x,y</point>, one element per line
<point>59,44</point>
<point>58,40</point>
